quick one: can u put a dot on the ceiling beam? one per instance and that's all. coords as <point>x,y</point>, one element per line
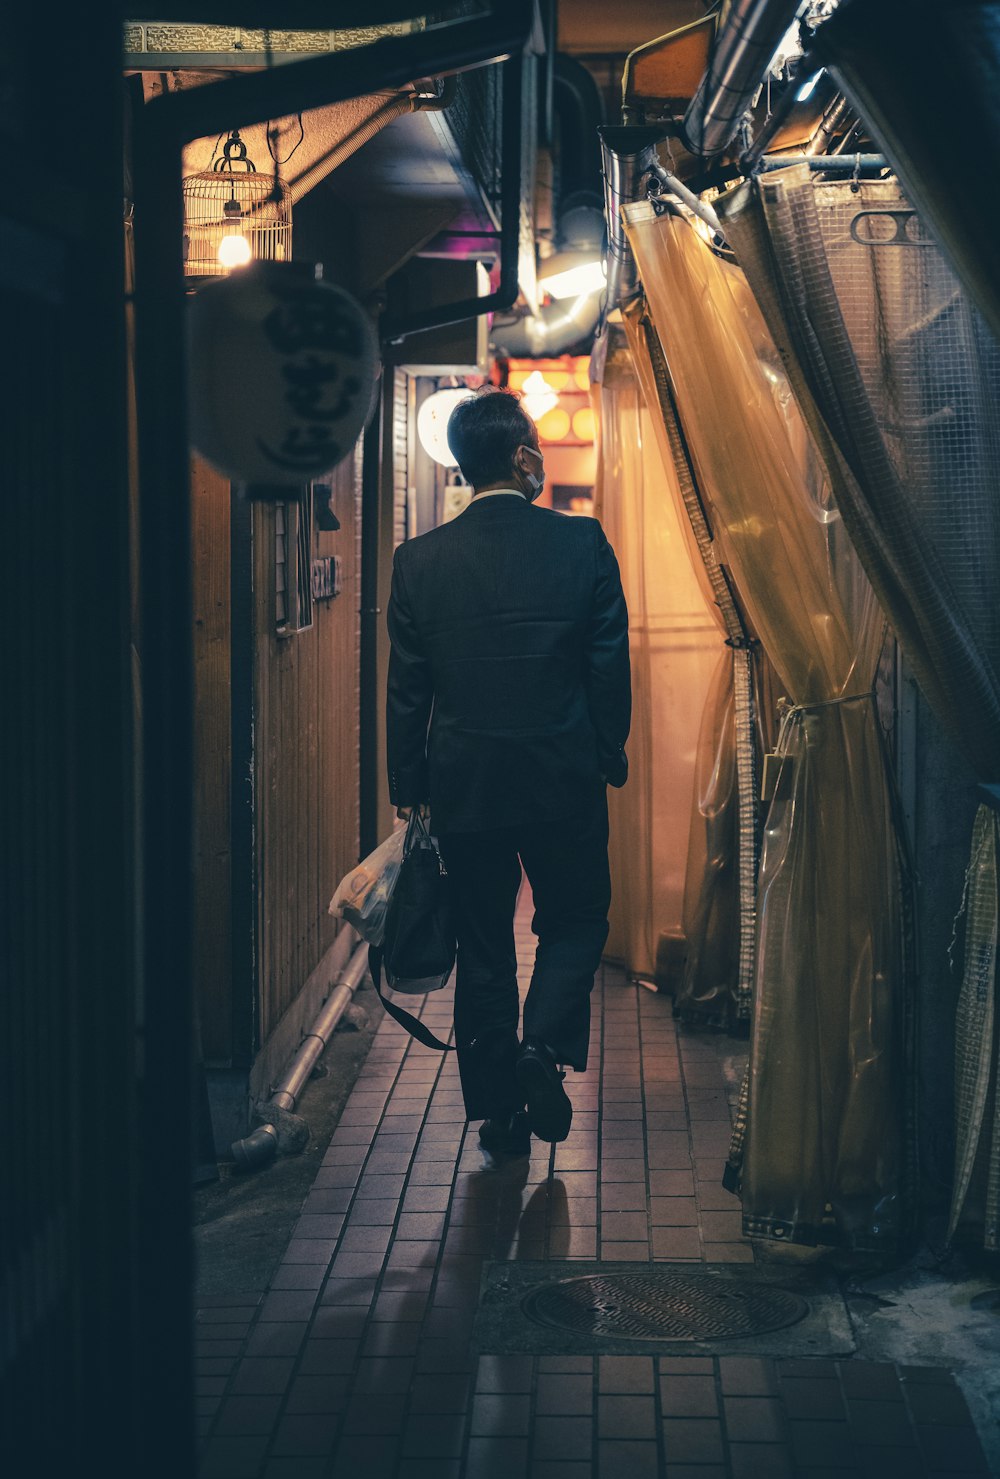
<point>295,15</point>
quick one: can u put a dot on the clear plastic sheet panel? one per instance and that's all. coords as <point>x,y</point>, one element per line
<point>701,550</point>
<point>885,54</point>
<point>823,1156</point>
<point>976,1195</point>
<point>772,506</point>
<point>899,377</point>
<point>717,985</point>
<point>674,643</point>
<point>707,992</point>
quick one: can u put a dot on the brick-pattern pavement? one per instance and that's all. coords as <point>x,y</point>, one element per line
<point>355,1364</point>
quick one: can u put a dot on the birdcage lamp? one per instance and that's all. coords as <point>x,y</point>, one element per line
<point>234,215</point>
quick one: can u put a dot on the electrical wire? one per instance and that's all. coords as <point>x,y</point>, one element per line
<point>274,135</point>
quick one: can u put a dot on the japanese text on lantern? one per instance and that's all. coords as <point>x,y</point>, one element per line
<point>313,338</point>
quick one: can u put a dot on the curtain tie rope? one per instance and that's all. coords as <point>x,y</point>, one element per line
<point>790,713</point>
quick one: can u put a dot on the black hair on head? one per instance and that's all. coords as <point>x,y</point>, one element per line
<point>485,431</point>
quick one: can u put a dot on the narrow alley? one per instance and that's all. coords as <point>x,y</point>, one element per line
<point>371,1354</point>
<point>505,466</point>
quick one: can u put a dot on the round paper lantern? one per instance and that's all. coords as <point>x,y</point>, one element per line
<point>554,425</point>
<point>584,424</point>
<point>280,375</point>
<point>432,423</point>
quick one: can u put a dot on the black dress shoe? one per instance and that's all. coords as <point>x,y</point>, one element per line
<point>550,1113</point>
<point>506,1138</point>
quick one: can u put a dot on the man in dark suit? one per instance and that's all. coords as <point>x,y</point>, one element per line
<point>508,710</point>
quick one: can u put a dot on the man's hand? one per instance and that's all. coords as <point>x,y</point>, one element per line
<point>404,812</point>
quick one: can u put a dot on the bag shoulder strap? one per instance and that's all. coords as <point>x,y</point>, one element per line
<point>412,1024</point>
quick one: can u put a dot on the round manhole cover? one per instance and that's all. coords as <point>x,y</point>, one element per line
<point>663,1305</point>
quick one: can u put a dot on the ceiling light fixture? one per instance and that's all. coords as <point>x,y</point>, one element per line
<point>567,275</point>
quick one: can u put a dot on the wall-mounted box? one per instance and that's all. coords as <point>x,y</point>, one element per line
<point>455,349</point>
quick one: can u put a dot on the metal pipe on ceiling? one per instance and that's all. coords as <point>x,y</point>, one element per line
<point>841,164</point>
<point>833,117</point>
<point>552,331</point>
<point>629,155</point>
<point>701,208</point>
<point>777,120</point>
<point>739,60</point>
<point>393,107</point>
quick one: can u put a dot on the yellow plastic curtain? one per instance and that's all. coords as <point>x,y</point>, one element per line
<point>720,896</point>
<point>823,1158</point>
<point>711,919</point>
<point>675,649</point>
<point>898,377</point>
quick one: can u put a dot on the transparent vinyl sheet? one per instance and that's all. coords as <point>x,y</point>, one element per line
<point>823,1155</point>
<point>899,379</point>
<point>720,895</point>
<point>707,992</point>
<point>823,1158</point>
<point>898,375</point>
<point>674,645</point>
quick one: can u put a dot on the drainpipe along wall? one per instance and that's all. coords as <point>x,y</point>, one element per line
<point>280,1122</point>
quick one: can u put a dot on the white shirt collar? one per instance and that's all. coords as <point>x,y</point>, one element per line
<point>498,493</point>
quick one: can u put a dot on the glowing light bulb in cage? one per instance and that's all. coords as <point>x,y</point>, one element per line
<point>234,249</point>
<point>233,215</point>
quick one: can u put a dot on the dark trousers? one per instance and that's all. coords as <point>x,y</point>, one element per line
<point>567,866</point>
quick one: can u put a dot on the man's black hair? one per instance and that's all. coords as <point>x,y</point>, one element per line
<point>485,432</point>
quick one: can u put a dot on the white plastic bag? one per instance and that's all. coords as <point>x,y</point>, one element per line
<point>362,898</point>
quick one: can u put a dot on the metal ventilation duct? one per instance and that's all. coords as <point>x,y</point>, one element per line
<point>740,58</point>
<point>629,160</point>
<point>551,331</point>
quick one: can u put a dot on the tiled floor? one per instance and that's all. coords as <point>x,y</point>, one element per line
<point>355,1364</point>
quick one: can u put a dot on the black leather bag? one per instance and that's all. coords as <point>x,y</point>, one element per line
<point>419,947</point>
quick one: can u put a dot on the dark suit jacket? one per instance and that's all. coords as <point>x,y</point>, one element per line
<point>509,689</point>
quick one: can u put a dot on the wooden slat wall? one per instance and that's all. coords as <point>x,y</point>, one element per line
<point>210,511</point>
<point>306,756</point>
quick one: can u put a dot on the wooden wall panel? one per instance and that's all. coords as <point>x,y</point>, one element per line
<point>306,757</point>
<point>210,511</point>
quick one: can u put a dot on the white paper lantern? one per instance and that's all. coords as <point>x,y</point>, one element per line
<point>281,372</point>
<point>432,423</point>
